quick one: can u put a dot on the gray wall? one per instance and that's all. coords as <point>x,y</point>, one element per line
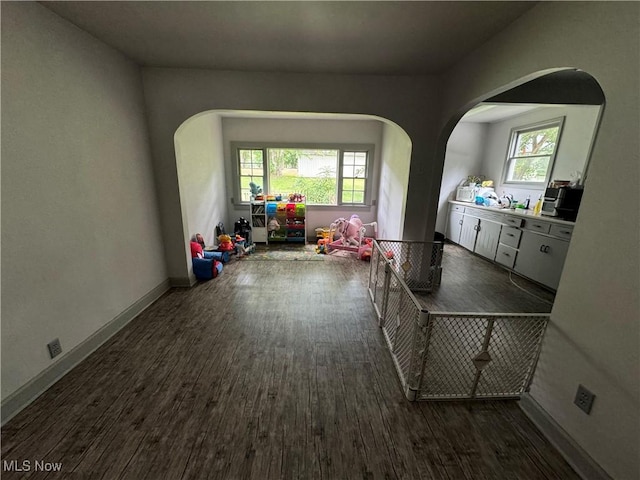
<point>595,327</point>
<point>81,238</point>
<point>174,95</point>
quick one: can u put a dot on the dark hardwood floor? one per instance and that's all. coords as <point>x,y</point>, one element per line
<point>473,284</point>
<point>273,370</point>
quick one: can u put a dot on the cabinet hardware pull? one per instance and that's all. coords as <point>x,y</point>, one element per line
<point>542,248</point>
<point>510,235</point>
<point>460,221</point>
<point>546,249</point>
<point>566,232</point>
<point>505,253</point>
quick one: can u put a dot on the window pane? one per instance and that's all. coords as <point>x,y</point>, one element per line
<point>528,169</point>
<point>251,167</point>
<point>361,158</point>
<point>354,174</point>
<point>347,197</point>
<point>348,158</point>
<point>347,184</point>
<point>358,184</point>
<point>537,142</point>
<point>311,172</point>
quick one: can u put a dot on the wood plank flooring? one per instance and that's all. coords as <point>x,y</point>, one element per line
<point>275,370</point>
<point>473,284</point>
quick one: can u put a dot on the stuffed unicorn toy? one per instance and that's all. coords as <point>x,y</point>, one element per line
<point>349,230</point>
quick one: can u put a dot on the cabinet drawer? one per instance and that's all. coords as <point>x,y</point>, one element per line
<point>537,226</point>
<point>493,216</point>
<point>513,221</point>
<point>561,231</point>
<point>506,255</point>
<point>457,208</point>
<point>510,236</point>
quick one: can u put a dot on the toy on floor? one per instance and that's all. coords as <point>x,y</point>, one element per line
<point>205,265</point>
<point>243,247</point>
<point>321,247</point>
<point>224,243</point>
<point>243,228</point>
<point>350,234</point>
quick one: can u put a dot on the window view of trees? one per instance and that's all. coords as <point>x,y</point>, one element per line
<point>315,173</point>
<point>531,155</point>
<point>310,172</point>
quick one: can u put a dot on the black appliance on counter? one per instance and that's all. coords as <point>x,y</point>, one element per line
<point>562,202</point>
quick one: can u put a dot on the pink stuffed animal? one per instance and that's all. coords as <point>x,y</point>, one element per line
<point>349,230</point>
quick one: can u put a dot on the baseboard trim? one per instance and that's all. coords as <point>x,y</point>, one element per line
<point>574,454</point>
<point>26,394</point>
<point>182,282</point>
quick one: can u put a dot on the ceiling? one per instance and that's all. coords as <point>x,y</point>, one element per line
<point>489,113</point>
<point>376,37</point>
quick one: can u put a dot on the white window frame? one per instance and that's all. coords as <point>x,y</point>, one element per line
<point>513,138</point>
<point>341,148</point>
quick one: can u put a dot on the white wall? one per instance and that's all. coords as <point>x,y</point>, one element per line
<point>81,239</point>
<point>302,130</point>
<point>465,152</point>
<point>573,149</point>
<point>595,324</point>
<point>394,182</point>
<point>201,175</point>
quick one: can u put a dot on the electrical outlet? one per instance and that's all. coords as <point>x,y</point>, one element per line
<point>584,399</point>
<point>54,348</point>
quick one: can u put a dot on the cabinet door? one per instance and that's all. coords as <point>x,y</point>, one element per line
<point>541,258</point>
<point>454,226</point>
<point>487,240</point>
<point>468,232</point>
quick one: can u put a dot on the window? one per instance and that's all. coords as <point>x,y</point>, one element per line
<point>251,170</point>
<point>331,175</point>
<point>532,151</point>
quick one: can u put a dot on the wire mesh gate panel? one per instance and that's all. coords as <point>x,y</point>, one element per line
<point>399,314</point>
<point>471,355</point>
<point>445,355</point>
<point>419,264</point>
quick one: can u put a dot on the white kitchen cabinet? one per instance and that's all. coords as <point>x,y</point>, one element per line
<point>541,258</point>
<point>510,236</point>
<point>506,255</point>
<point>454,225</point>
<point>468,232</point>
<point>487,238</point>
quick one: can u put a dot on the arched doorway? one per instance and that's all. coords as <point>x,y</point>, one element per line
<point>477,145</point>
<point>207,174</point>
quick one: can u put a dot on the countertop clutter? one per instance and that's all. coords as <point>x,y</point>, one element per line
<point>513,211</point>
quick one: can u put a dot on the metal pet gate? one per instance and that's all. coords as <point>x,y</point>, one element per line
<point>447,355</point>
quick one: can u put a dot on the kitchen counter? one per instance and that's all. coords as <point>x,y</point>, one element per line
<point>517,212</point>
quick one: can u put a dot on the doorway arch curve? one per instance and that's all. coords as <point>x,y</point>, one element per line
<point>204,173</point>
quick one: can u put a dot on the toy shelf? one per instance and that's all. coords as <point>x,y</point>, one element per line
<point>258,222</point>
<point>291,218</point>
